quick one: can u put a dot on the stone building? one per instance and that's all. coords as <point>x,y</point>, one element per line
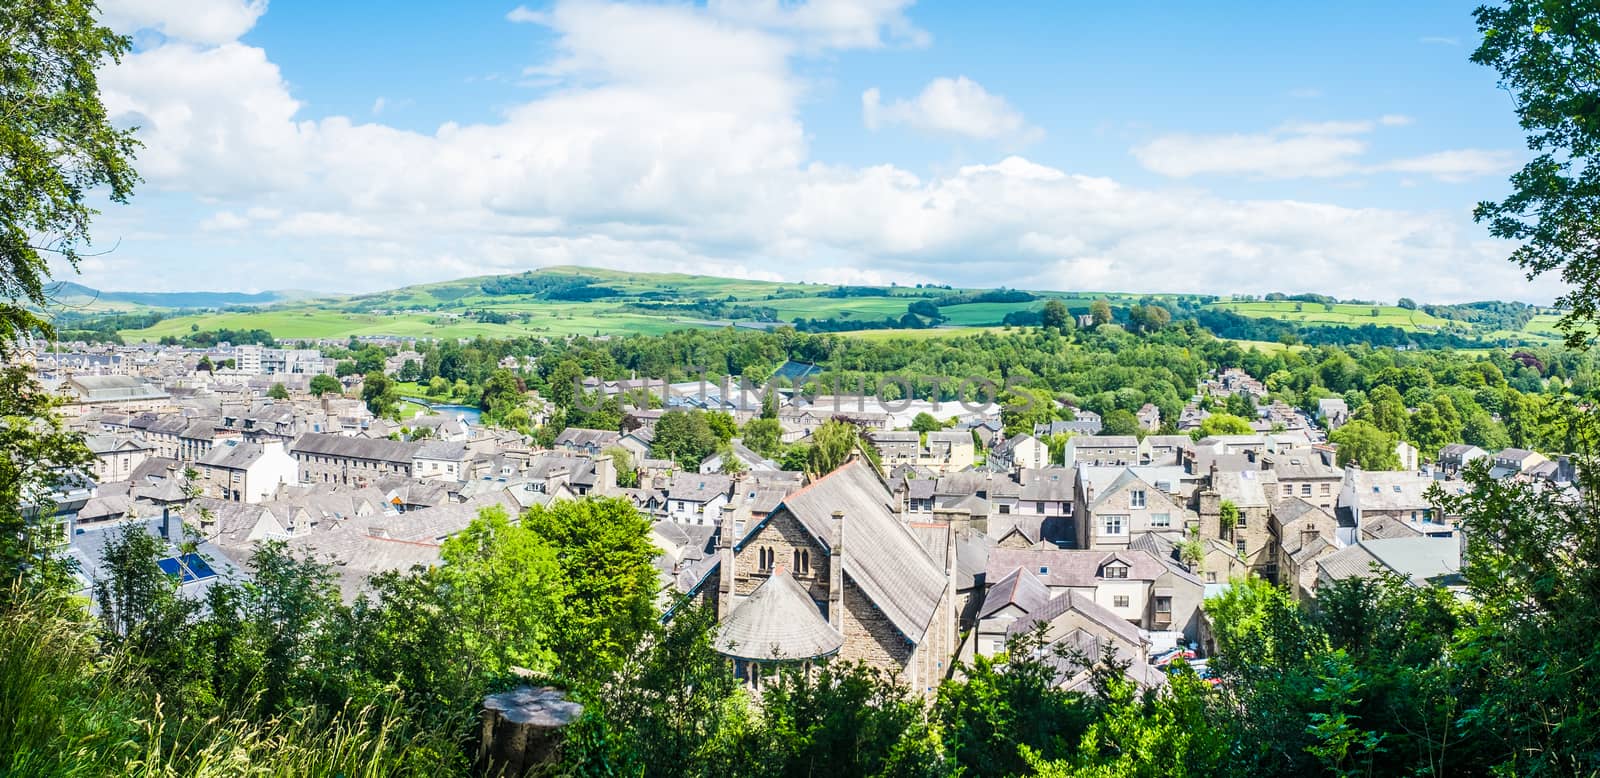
<point>336,459</point>
<point>865,574</point>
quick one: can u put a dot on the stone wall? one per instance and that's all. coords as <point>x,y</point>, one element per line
<point>783,534</point>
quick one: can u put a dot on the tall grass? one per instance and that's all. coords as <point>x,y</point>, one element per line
<point>68,710</point>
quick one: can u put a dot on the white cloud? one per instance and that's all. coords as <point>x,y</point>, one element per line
<point>1323,149</point>
<point>1439,40</point>
<point>378,106</point>
<point>836,24</point>
<point>958,106</point>
<point>1307,152</point>
<point>670,140</point>
<point>224,221</point>
<point>198,21</point>
<point>525,15</point>
<point>1458,164</point>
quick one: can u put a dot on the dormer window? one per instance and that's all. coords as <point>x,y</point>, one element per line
<point>1115,570</point>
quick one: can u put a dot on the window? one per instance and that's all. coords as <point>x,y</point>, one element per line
<point>1038,507</point>
<point>1160,519</point>
<point>1305,490</point>
<point>1240,523</point>
<point>1119,601</point>
<point>805,561</point>
<point>1116,571</point>
<point>1288,489</point>
<point>797,560</point>
<point>1004,509</point>
<point>1326,490</point>
<point>1114,525</point>
<point>1238,545</point>
<point>1136,498</point>
<point>1164,605</point>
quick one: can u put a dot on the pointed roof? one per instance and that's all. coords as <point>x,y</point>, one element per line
<point>1020,588</point>
<point>778,621</point>
<point>880,554</point>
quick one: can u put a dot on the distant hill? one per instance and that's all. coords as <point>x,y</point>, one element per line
<point>566,300</point>
<point>69,292</point>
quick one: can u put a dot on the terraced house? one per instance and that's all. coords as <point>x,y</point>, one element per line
<point>336,459</point>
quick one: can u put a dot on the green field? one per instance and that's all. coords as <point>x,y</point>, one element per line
<point>1340,313</point>
<point>932,332</point>
<point>542,304</point>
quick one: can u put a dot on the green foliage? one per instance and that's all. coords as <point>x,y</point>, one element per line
<point>925,422</point>
<point>1056,316</point>
<point>832,443</point>
<point>38,456</point>
<point>1366,445</point>
<point>278,392</point>
<point>764,436</point>
<point>1023,407</point>
<point>58,147</point>
<point>1545,56</point>
<point>686,437</point>
<point>380,394</point>
<point>609,583</point>
<point>1222,424</point>
<point>322,384</point>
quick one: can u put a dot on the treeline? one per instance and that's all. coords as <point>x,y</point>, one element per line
<point>208,338</point>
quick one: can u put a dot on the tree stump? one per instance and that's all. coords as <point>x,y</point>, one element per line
<point>523,729</point>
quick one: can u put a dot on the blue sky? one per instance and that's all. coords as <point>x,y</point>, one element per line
<point>1224,147</point>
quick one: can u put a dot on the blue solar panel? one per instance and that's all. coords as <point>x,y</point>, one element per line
<point>198,566</point>
<point>171,567</point>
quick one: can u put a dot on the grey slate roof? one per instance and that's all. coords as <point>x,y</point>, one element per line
<point>237,456</point>
<point>339,446</point>
<point>1021,588</point>
<point>1083,603</point>
<point>880,554</point>
<point>778,621</point>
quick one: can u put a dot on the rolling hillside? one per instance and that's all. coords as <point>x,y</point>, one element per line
<point>560,301</point>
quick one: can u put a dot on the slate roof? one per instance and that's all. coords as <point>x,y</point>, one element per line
<point>880,554</point>
<point>1021,588</point>
<point>1059,568</point>
<point>778,621</point>
<point>115,388</point>
<point>1083,603</point>
<point>339,446</point>
<point>233,456</point>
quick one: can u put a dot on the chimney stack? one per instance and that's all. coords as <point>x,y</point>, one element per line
<point>836,573</point>
<point>725,533</point>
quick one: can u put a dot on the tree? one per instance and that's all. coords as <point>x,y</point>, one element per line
<point>502,393</point>
<point>685,437</point>
<point>1022,408</point>
<point>322,384</point>
<point>1222,424</point>
<point>764,436</point>
<point>1385,409</point>
<point>1100,312</point>
<point>1056,317</point>
<point>438,387</point>
<point>1120,422</point>
<point>38,456</point>
<point>380,394</point>
<point>925,422</point>
<point>58,149</point>
<point>605,555</point>
<point>1364,444</point>
<point>722,425</point>
<point>409,370</point>
<point>205,364</point>
<point>1546,56</point>
<point>831,446</point>
<point>1242,405</point>
<point>278,391</point>
<point>1407,303</point>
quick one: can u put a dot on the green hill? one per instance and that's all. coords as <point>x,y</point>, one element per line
<point>566,300</point>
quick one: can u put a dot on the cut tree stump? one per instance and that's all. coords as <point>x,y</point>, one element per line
<point>523,729</point>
